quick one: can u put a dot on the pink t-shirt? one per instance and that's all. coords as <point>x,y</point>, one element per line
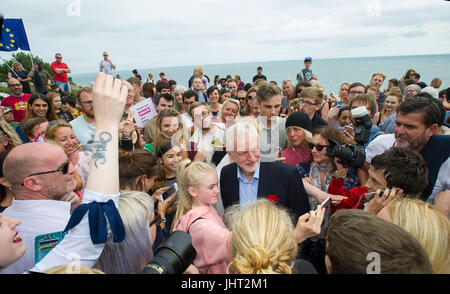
<point>294,155</point>
<point>18,105</point>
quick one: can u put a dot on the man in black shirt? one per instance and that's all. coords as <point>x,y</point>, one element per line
<point>259,75</point>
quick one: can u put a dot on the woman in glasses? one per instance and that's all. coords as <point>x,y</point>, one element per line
<point>250,97</point>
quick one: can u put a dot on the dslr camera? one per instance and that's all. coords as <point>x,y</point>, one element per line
<point>173,256</point>
<point>353,155</point>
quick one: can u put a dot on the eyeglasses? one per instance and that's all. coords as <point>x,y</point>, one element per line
<point>240,99</point>
<point>63,169</point>
<point>86,102</point>
<point>250,97</point>
<point>228,90</point>
<point>318,146</point>
<point>58,57</point>
<point>356,92</point>
<point>307,103</point>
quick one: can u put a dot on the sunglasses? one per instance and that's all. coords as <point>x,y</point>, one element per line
<point>318,146</point>
<point>63,169</point>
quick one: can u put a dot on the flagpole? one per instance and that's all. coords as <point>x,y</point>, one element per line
<point>6,62</point>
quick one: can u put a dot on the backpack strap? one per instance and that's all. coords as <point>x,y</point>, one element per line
<point>193,222</point>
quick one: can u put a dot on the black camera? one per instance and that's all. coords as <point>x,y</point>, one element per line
<point>173,256</point>
<point>363,124</point>
<point>350,155</point>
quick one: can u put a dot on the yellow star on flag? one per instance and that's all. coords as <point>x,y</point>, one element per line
<point>11,35</point>
<point>1,45</point>
<point>12,45</point>
<point>13,41</point>
<point>7,30</point>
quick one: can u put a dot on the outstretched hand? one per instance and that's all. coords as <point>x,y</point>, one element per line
<point>109,98</point>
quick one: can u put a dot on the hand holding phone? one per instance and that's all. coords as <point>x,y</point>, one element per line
<point>169,192</point>
<point>381,198</point>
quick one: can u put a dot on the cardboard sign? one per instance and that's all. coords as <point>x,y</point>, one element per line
<point>144,111</point>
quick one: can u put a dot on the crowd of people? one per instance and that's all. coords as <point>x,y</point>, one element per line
<point>269,178</point>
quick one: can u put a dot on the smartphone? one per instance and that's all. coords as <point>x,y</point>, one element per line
<point>169,192</point>
<point>327,205</point>
<point>369,196</point>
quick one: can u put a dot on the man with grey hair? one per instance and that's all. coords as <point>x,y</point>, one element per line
<point>288,94</point>
<point>247,178</point>
<point>41,178</point>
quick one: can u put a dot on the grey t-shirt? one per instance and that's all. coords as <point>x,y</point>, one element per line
<point>273,139</point>
<point>84,132</point>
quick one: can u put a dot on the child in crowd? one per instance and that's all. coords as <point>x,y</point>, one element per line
<point>196,215</point>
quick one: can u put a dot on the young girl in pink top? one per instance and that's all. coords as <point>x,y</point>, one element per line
<point>196,215</point>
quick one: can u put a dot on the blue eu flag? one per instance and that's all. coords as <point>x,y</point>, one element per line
<point>13,36</point>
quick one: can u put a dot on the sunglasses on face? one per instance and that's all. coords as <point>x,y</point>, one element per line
<point>63,169</point>
<point>318,146</point>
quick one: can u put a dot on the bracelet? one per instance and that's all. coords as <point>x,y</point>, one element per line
<point>163,220</point>
<point>339,175</point>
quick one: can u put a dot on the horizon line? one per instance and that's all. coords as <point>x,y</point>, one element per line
<point>267,61</point>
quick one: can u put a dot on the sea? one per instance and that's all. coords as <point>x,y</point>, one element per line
<point>330,72</point>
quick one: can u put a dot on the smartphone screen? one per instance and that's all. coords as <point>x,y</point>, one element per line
<point>169,192</point>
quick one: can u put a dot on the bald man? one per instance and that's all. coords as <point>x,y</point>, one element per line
<point>41,179</point>
<point>18,100</point>
<point>106,65</point>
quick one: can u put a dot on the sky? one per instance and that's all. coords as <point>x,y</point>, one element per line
<point>150,34</point>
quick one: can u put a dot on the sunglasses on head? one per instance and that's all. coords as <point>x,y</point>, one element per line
<point>318,146</point>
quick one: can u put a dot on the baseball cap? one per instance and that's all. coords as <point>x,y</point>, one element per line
<point>308,58</point>
<point>6,109</point>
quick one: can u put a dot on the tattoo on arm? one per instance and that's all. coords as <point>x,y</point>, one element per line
<point>99,148</point>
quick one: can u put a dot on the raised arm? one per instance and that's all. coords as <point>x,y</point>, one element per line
<point>103,180</point>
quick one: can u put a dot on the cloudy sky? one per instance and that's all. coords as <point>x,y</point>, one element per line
<point>148,33</point>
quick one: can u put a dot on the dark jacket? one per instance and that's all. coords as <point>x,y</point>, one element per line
<point>275,178</point>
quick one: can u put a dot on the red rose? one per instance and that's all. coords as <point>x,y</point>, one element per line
<point>273,198</point>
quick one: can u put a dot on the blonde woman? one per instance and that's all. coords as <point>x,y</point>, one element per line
<point>196,215</point>
<point>429,225</point>
<point>8,137</point>
<point>262,241</point>
<point>229,111</point>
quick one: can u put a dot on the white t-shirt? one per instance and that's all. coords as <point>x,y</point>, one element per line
<point>432,91</point>
<point>106,67</point>
<point>205,141</point>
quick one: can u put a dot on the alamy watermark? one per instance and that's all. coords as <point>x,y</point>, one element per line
<point>74,8</point>
<point>374,266</point>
